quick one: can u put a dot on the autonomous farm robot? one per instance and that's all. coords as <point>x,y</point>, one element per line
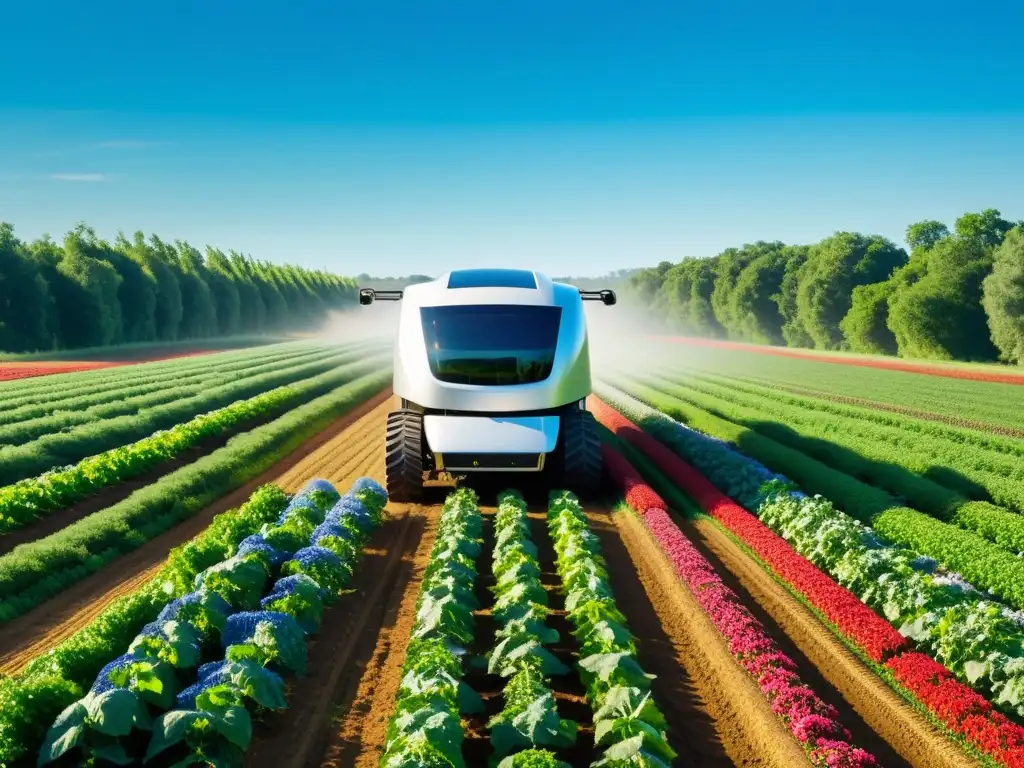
<point>493,370</point>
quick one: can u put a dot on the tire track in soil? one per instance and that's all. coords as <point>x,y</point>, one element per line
<point>715,712</point>
<point>55,620</point>
<point>880,720</point>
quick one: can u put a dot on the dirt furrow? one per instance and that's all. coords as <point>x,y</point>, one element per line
<point>365,698</point>
<point>58,618</point>
<point>364,633</point>
<point>717,714</point>
<point>880,720</point>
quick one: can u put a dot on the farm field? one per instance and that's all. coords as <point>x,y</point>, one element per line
<point>953,369</point>
<point>222,575</point>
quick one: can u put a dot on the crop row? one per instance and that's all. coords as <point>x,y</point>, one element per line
<point>813,723</point>
<point>31,573</point>
<point>61,448</point>
<point>977,638</point>
<point>871,632</point>
<point>142,703</point>
<point>627,721</point>
<point>897,460</point>
<point>961,709</point>
<point>977,400</point>
<point>41,391</point>
<point>985,564</point>
<point>31,699</point>
<point>529,719</point>
<point>944,431</point>
<point>425,728</point>
<point>62,411</point>
<point>30,499</point>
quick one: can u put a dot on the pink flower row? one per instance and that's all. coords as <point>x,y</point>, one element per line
<point>813,722</point>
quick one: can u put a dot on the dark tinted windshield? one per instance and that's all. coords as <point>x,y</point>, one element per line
<point>491,344</point>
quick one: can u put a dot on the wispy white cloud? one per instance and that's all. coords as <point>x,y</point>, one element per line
<point>131,144</point>
<point>80,177</point>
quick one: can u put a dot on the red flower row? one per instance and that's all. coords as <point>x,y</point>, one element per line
<point>844,609</point>
<point>960,708</point>
<point>811,721</point>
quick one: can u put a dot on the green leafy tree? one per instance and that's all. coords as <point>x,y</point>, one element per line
<point>793,332</point>
<point>865,326</point>
<point>835,267</point>
<point>986,228</point>
<point>226,294</point>
<point>753,311</point>
<point>925,234</point>
<point>25,301</point>
<point>200,312</point>
<point>936,311</point>
<point>1003,297</point>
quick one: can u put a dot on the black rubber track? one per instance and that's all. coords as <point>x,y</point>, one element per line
<point>403,456</point>
<point>581,453</point>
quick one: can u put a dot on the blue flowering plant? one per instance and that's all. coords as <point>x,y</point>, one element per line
<point>298,596</point>
<point>206,611</point>
<point>324,567</point>
<point>269,638</point>
<point>98,728</point>
<point>240,580</point>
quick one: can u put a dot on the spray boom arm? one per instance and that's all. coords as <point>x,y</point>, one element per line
<point>369,295</point>
<point>606,296</point>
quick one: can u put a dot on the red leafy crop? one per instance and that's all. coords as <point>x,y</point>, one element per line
<point>960,708</point>
<point>639,495</point>
<point>844,609</point>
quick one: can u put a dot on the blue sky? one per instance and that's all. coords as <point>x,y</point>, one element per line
<point>572,137</point>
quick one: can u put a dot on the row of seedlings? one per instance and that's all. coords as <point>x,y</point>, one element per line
<point>425,728</point>
<point>529,720</point>
<point>142,705</point>
<point>627,722</point>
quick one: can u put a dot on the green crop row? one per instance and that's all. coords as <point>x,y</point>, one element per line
<point>41,389</point>
<point>530,719</point>
<point>19,425</point>
<point>34,572</point>
<point>31,699</point>
<point>931,473</point>
<point>30,499</point>
<point>985,441</point>
<point>983,401</point>
<point>61,448</point>
<point>248,617</point>
<point>425,728</point>
<point>998,525</point>
<point>627,722</point>
<point>983,563</point>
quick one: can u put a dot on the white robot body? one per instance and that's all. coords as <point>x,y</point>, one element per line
<point>488,364</point>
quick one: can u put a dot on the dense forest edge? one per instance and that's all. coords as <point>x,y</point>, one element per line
<point>88,293</point>
<point>958,294</point>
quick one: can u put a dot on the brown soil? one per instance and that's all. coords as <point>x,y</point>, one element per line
<point>881,721</point>
<point>46,625</point>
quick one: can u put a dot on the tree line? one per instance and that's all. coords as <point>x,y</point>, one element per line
<point>957,295</point>
<point>88,292</point>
